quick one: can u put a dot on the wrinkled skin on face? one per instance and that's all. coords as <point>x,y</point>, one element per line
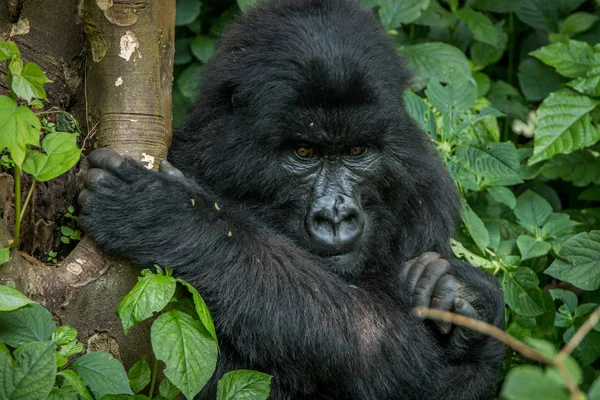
<point>333,220</point>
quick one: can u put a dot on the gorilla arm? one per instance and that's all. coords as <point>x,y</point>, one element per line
<point>271,300</point>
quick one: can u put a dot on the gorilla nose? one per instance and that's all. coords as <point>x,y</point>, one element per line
<point>335,223</point>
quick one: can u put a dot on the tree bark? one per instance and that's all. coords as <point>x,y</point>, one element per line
<point>124,95</point>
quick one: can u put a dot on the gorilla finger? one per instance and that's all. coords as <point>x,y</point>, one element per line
<point>84,198</point>
<point>104,158</point>
<point>464,308</point>
<point>447,286</point>
<point>169,169</point>
<point>445,303</point>
<point>85,222</point>
<point>94,176</point>
<point>423,259</point>
<point>433,272</point>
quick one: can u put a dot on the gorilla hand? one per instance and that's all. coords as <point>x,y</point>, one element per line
<point>431,286</point>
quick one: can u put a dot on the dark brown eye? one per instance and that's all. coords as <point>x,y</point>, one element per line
<point>304,152</point>
<point>357,151</point>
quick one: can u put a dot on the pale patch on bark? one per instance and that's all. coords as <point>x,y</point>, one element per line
<point>128,45</point>
<point>74,268</point>
<point>119,81</point>
<point>20,28</point>
<point>146,158</point>
<point>104,4</point>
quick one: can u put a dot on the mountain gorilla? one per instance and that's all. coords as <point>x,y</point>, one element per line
<point>333,218</point>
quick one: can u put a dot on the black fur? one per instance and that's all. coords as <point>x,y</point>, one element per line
<point>321,72</point>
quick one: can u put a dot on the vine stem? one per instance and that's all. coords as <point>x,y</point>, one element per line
<point>153,382</point>
<point>31,188</point>
<point>17,178</point>
<point>558,362</point>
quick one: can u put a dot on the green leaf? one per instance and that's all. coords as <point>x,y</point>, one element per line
<point>483,54</point>
<point>188,80</point>
<point>582,266</point>
<point>594,392</point>
<point>531,73</point>
<point>201,309</point>
<point>139,376</point>
<point>167,389</point>
<point>245,5</point>
<point>187,349</point>
<point>202,47</point>
<point>474,225</point>
<point>436,15</point>
<point>590,84</point>
<point>530,247</point>
<point>420,112</point>
<point>563,125</point>
<point>572,59</point>
<point>102,374</point>
<point>187,11</point>
<point>32,375</point>
<point>28,82</point>
<point>590,194</point>
<point>521,292</point>
<point>568,298</point>
<point>61,155</point>
<point>459,94</point>
<point>507,99</point>
<point>558,225</point>
<point>31,323</point>
<point>244,385</point>
<point>60,394</point>
<point>496,163</point>
<point>578,22</point>
<point>503,195</point>
<point>151,294</point>
<point>8,50</point>
<point>532,210</point>
<point>18,127</point>
<point>495,5</point>
<point>73,383</point>
<point>425,59</point>
<point>66,231</point>
<point>540,14</point>
<point>64,334</point>
<point>395,13</point>
<point>460,251</point>
<point>484,83</point>
<point>11,299</point>
<point>182,51</point>
<point>4,257</point>
<point>581,168</point>
<point>483,28</point>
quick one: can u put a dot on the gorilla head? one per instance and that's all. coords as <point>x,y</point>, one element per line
<point>302,120</point>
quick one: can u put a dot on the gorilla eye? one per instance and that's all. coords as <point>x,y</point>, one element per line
<point>304,152</point>
<point>357,151</point>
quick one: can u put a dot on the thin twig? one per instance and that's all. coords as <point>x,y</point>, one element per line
<point>587,326</point>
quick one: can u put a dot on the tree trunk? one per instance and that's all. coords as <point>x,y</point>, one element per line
<point>122,90</point>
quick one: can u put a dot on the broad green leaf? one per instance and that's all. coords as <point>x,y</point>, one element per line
<point>187,11</point>
<point>521,292</point>
<point>572,59</point>
<point>8,50</point>
<point>28,82</point>
<point>33,374</point>
<point>591,193</point>
<point>459,94</point>
<point>483,54</point>
<point>102,374</point>
<point>503,195</point>
<point>73,383</point>
<point>484,83</point>
<point>436,15</point>
<point>531,73</point>
<point>474,225</point>
<point>202,47</point>
<point>187,349</point>
<point>201,309</point>
<point>578,22</point>
<point>11,299</point>
<point>558,225</point>
<point>395,13</point>
<point>507,99</point>
<point>590,84</point>
<point>594,392</point>
<point>540,14</point>
<point>483,28</point>
<point>183,54</point>
<point>188,80</point>
<point>581,168</point>
<point>532,210</point>
<point>460,251</point>
<point>4,257</point>
<point>167,389</point>
<point>563,125</point>
<point>244,5</point>
<point>530,247</point>
<point>486,112</point>
<point>139,376</point>
<point>18,127</point>
<point>31,323</point>
<point>151,294</point>
<point>420,112</point>
<point>582,266</point>
<point>496,163</point>
<point>61,154</point>
<point>425,59</point>
<point>495,5</point>
<point>60,394</point>
<point>568,298</point>
<point>244,385</point>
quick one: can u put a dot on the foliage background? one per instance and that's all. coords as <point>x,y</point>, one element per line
<point>508,91</point>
